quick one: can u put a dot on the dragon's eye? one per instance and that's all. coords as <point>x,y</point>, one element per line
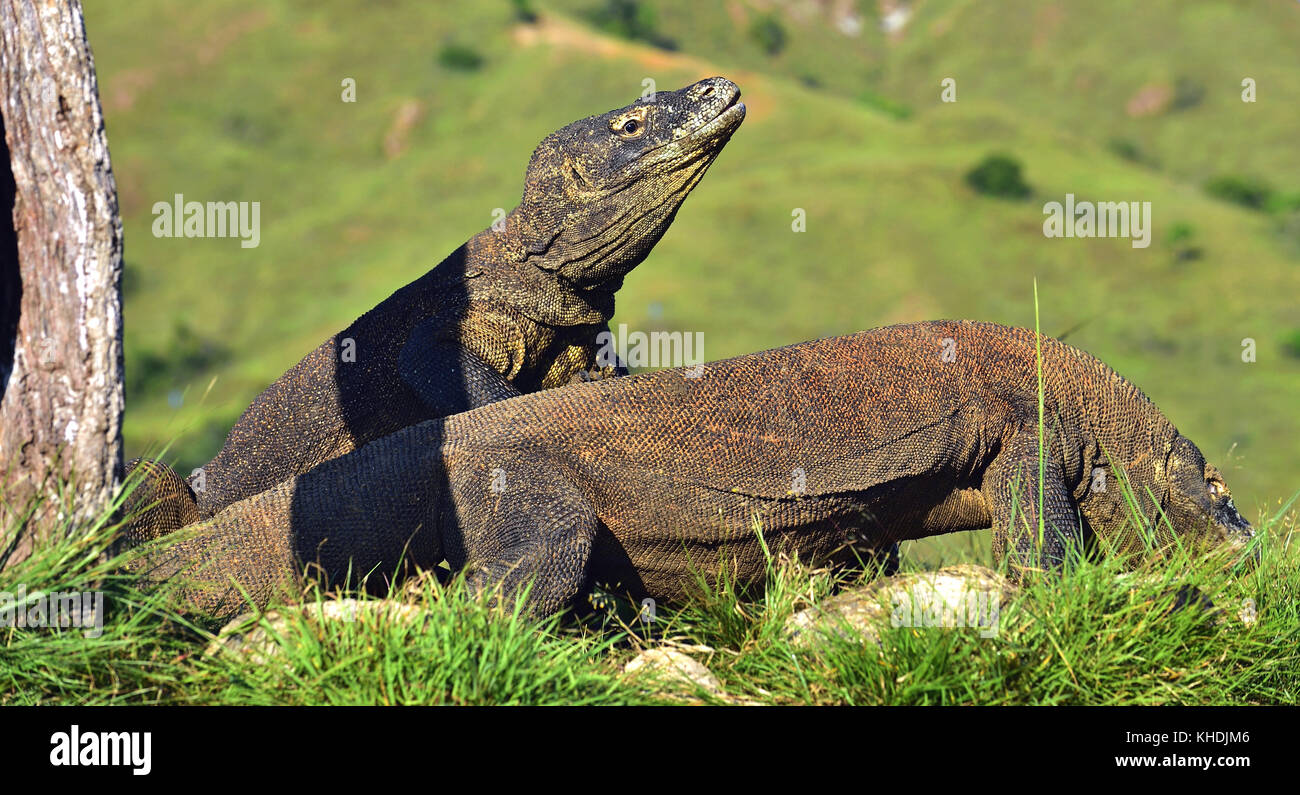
<point>631,124</point>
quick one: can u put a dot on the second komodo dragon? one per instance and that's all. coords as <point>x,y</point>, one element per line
<point>834,447</point>
<point>515,309</point>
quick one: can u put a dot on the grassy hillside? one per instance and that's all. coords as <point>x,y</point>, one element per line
<point>1074,65</point>
<point>241,101</point>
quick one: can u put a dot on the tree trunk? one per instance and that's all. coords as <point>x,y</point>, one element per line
<point>60,276</point>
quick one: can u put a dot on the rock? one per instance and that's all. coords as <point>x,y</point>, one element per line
<point>1248,615</point>
<point>676,671</point>
<point>954,596</point>
<point>249,637</point>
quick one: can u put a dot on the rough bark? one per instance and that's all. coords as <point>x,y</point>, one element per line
<point>61,394</point>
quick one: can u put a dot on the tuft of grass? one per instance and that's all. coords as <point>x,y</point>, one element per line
<point>133,657</point>
<point>1042,461</point>
<point>892,108</point>
<point>1104,637</point>
<point>460,650</point>
<point>1110,634</point>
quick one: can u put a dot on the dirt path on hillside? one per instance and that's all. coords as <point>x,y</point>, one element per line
<point>564,34</point>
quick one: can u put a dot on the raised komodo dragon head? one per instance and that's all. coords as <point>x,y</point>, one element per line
<point>600,192</point>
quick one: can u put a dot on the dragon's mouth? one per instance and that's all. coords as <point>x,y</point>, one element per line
<point>708,137</point>
<point>729,117</point>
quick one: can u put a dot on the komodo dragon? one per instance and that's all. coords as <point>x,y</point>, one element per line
<point>831,447</point>
<point>515,309</point>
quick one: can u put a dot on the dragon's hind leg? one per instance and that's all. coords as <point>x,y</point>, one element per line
<point>524,530</point>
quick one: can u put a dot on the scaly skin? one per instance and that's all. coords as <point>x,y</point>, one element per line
<point>515,309</point>
<point>157,498</point>
<point>832,447</point>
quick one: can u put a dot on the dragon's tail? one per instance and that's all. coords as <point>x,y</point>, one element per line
<point>159,502</point>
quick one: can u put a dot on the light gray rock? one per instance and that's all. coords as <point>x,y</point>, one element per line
<point>954,596</point>
<point>675,670</point>
<point>248,637</point>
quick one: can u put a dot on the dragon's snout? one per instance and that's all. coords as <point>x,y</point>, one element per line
<point>1242,543</point>
<point>1236,534</point>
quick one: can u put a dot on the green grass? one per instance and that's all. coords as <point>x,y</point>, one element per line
<point>465,652</point>
<point>1107,634</point>
<point>1104,635</point>
<point>468,652</point>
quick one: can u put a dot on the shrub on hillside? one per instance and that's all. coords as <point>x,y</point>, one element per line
<point>1249,192</point>
<point>768,33</point>
<point>524,11</point>
<point>1182,239</point>
<point>459,57</point>
<point>1291,343</point>
<point>1129,150</point>
<point>1283,202</point>
<point>998,175</point>
<point>1187,94</point>
<point>631,20</point>
<point>186,356</point>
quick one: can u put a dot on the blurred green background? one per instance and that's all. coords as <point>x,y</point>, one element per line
<point>1108,100</point>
